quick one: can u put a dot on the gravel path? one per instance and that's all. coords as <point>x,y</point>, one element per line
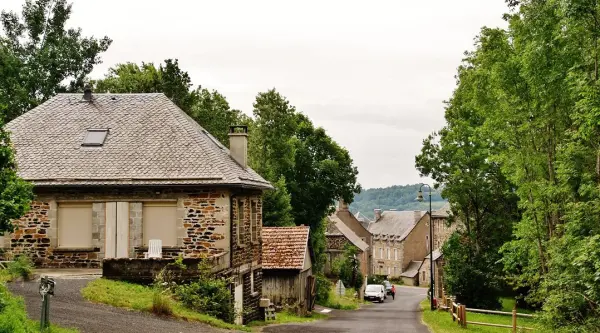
<point>402,315</point>
<point>69,309</point>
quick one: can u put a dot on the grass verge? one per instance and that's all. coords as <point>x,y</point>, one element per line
<point>287,317</point>
<point>13,316</point>
<point>137,297</point>
<point>342,302</point>
<point>441,322</point>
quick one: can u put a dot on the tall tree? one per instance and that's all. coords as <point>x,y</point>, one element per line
<point>316,169</point>
<point>38,55</point>
<point>15,193</point>
<point>168,78</point>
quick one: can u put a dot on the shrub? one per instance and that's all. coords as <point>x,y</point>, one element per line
<point>209,296</point>
<point>376,279</point>
<point>323,288</point>
<point>21,267</point>
<point>13,318</point>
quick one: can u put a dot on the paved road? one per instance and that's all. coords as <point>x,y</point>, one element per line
<point>401,315</point>
<point>69,309</point>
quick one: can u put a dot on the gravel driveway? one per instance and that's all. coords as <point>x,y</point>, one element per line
<point>69,309</point>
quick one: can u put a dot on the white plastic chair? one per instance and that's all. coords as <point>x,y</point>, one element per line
<point>155,248</point>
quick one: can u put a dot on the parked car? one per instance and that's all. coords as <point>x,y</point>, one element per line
<point>375,292</point>
<point>390,289</point>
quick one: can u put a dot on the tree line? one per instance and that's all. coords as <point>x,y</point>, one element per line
<point>39,58</point>
<point>398,197</point>
<point>519,159</point>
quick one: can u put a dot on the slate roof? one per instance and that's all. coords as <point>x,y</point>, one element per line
<point>397,224</point>
<point>412,270</point>
<point>150,142</point>
<point>437,254</point>
<point>284,247</point>
<point>337,227</point>
<point>444,211</point>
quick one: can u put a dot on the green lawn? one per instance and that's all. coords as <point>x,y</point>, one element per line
<point>441,322</point>
<point>137,297</point>
<point>342,302</point>
<point>508,303</point>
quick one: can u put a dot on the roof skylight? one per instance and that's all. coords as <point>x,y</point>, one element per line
<point>95,137</point>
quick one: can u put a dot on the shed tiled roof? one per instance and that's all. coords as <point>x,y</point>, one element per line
<point>337,227</point>
<point>150,141</point>
<point>397,224</point>
<point>284,247</point>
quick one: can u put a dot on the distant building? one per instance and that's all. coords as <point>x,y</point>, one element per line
<point>399,238</point>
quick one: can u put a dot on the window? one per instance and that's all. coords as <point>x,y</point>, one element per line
<point>159,221</point>
<point>254,220</point>
<point>388,253</point>
<point>95,137</point>
<point>395,254</point>
<point>395,270</point>
<point>240,220</point>
<point>423,278</point>
<point>381,252</point>
<point>75,225</point>
<point>389,270</point>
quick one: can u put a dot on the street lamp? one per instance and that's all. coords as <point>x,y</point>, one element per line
<point>420,199</point>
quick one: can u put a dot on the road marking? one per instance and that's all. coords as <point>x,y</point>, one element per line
<point>325,311</point>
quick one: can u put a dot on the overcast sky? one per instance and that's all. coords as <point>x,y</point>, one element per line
<point>374,74</point>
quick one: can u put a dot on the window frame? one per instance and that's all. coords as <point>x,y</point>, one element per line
<point>85,142</point>
<point>60,236</point>
<point>396,254</point>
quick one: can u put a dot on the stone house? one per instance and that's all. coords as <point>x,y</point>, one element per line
<point>287,267</point>
<point>441,230</point>
<point>338,235</point>
<point>438,272</point>
<point>358,228</point>
<point>399,238</point>
<point>112,171</point>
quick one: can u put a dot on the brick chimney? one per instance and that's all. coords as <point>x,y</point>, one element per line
<point>238,144</point>
<point>377,214</point>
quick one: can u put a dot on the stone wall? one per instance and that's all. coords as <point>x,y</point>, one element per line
<point>417,242</point>
<point>252,299</point>
<point>202,223</point>
<point>381,264</point>
<point>442,231</point>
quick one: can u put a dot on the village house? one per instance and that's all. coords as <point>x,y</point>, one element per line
<point>399,238</point>
<point>113,171</point>
<point>287,267</point>
<point>338,236</point>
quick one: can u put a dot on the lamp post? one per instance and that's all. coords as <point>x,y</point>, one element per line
<point>420,199</point>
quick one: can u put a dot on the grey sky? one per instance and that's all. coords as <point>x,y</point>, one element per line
<point>372,73</point>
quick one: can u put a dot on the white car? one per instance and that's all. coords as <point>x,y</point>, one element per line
<point>375,292</point>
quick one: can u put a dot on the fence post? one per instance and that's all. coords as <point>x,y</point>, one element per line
<point>514,321</point>
<point>452,311</point>
<point>464,316</point>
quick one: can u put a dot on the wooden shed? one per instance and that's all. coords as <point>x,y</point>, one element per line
<point>287,268</point>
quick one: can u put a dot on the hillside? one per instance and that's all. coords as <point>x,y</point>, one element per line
<point>399,197</point>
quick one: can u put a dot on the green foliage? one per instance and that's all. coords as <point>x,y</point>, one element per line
<point>277,208</point>
<point>469,278</point>
<point>323,288</point>
<point>209,294</point>
<point>347,267</point>
<point>13,317</point>
<point>38,55</point>
<point>15,193</point>
<point>398,197</point>
<point>168,78</point>
<point>376,279</point>
<point>21,267</point>
<point>316,170</point>
<point>520,161</point>
<point>162,304</point>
